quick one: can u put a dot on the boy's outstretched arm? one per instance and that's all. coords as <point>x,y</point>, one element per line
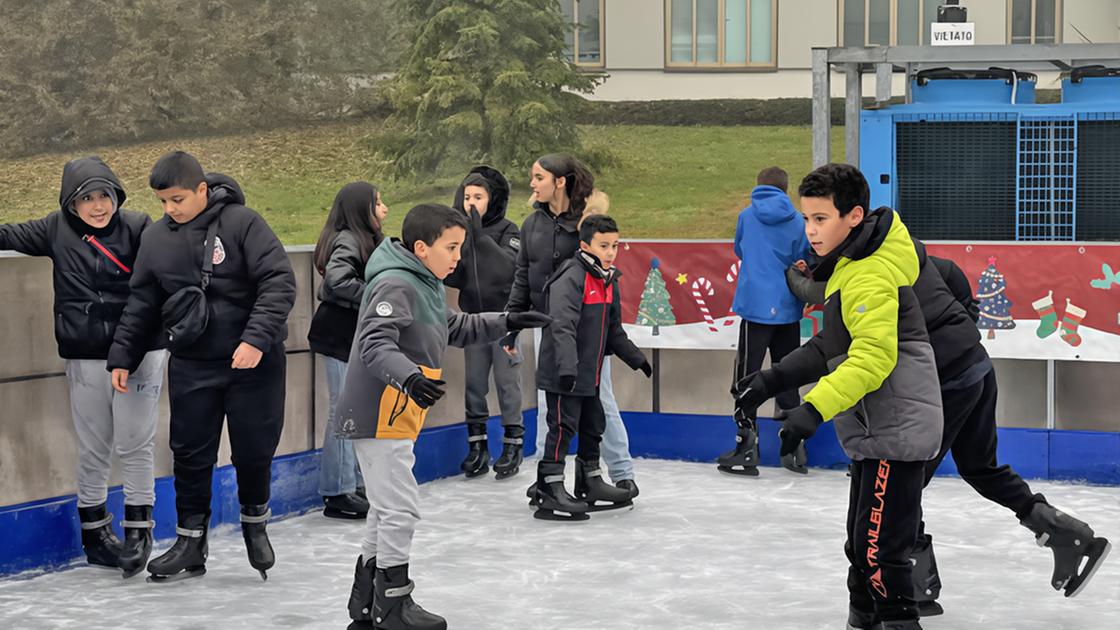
<point>385,314</point>
<point>31,238</point>
<point>270,269</point>
<point>139,322</point>
<point>468,329</point>
<point>870,313</point>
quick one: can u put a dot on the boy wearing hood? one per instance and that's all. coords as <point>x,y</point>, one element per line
<point>484,277</point>
<point>233,368</point>
<point>92,242</point>
<point>393,378</point>
<point>769,237</point>
<point>876,376</point>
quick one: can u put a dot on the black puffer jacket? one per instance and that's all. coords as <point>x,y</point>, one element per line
<point>251,292</point>
<point>547,241</point>
<point>586,310</point>
<point>90,288</point>
<point>484,275</point>
<point>340,296</point>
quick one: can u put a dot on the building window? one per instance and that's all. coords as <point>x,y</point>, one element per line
<point>1033,21</point>
<point>886,22</point>
<point>721,33</point>
<point>585,38</point>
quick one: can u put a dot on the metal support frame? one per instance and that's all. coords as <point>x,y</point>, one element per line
<point>887,59</point>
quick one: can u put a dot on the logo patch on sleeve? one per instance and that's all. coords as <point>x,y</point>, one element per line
<point>384,309</point>
<point>515,243</point>
<point>219,251</point>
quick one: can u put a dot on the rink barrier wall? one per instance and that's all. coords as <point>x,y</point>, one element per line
<point>45,535</point>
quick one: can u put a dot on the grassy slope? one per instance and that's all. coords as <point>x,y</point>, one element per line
<point>672,182</point>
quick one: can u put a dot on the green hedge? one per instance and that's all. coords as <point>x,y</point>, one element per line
<point>716,112</point>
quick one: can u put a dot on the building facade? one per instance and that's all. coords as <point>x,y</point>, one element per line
<point>696,49</point>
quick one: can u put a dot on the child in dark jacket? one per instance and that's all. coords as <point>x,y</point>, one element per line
<point>233,367</point>
<point>484,277</point>
<point>351,233</point>
<point>92,242</point>
<point>876,375</point>
<point>585,305</point>
<point>769,237</point>
<point>392,380</point>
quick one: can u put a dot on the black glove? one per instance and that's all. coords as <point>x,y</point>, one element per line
<point>753,390</point>
<point>476,221</point>
<point>800,424</point>
<point>510,340</point>
<point>528,319</point>
<point>646,369</point>
<point>568,382</point>
<point>424,391</point>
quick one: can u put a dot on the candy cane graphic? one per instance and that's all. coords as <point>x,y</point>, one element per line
<point>702,288</point>
<point>733,273</point>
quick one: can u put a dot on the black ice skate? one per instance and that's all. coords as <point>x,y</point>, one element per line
<point>927,583</point>
<point>1073,544</point>
<point>477,462</point>
<point>187,556</point>
<point>393,608</point>
<point>596,493</point>
<point>361,592</point>
<point>553,502</point>
<point>137,547</point>
<point>630,486</point>
<point>102,547</point>
<point>902,624</point>
<point>797,461</point>
<point>345,506</point>
<point>743,459</point>
<point>254,519</point>
<point>509,463</point>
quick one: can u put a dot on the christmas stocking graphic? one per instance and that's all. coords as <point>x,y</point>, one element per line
<point>1070,323</point>
<point>1047,315</point>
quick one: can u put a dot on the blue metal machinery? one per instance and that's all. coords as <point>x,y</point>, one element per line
<point>973,157</point>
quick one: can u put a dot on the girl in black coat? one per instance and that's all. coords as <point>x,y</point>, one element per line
<point>351,233</point>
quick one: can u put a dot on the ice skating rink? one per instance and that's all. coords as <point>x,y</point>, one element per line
<point>700,550</point>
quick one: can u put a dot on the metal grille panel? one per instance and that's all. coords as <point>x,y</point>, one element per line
<point>1046,185</point>
<point>956,180</point>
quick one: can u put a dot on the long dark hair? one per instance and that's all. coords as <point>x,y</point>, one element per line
<point>578,183</point>
<point>353,210</point>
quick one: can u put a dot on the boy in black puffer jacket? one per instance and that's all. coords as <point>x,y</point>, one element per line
<point>235,366</point>
<point>584,303</point>
<point>92,242</point>
<point>484,277</point>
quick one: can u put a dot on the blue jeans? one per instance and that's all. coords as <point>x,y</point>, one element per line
<point>615,447</point>
<point>338,467</point>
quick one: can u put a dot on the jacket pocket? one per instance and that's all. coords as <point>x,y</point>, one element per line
<point>398,416</point>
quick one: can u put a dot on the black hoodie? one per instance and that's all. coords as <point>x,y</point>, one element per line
<point>484,275</point>
<point>251,292</point>
<point>547,241</point>
<point>90,288</point>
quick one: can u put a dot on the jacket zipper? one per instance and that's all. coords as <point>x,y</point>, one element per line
<point>602,340</point>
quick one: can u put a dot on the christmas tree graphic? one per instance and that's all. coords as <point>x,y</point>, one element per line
<point>654,309</point>
<point>995,308</point>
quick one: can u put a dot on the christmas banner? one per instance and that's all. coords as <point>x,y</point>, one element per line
<point>1037,301</point>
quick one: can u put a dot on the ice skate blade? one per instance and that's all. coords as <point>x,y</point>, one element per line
<point>341,515</point>
<point>929,608</point>
<point>549,515</point>
<point>501,476</point>
<point>264,576</point>
<point>790,463</point>
<point>610,507</point>
<point>127,574</point>
<point>477,473</point>
<point>186,574</point>
<point>1078,583</point>
<point>746,471</point>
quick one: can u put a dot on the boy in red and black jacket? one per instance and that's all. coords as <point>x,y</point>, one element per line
<point>585,306</point>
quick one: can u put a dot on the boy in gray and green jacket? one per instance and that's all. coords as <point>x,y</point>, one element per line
<point>404,328</point>
<point>876,379</point>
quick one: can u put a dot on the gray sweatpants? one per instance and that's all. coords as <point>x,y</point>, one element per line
<point>394,499</point>
<point>106,421</point>
<point>507,379</point>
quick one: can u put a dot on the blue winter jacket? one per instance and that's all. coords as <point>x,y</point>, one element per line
<point>769,238</point>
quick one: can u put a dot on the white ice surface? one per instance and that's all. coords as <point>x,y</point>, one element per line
<point>700,550</point>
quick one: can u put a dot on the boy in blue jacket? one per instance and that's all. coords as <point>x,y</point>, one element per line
<point>769,238</point>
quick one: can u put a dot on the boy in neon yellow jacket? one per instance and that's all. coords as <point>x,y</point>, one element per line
<point>876,379</point>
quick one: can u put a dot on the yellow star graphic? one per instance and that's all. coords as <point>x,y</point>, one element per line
<point>682,278</point>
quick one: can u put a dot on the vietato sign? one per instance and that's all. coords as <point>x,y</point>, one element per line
<point>953,33</point>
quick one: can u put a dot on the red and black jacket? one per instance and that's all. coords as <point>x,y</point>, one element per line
<point>586,308</point>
